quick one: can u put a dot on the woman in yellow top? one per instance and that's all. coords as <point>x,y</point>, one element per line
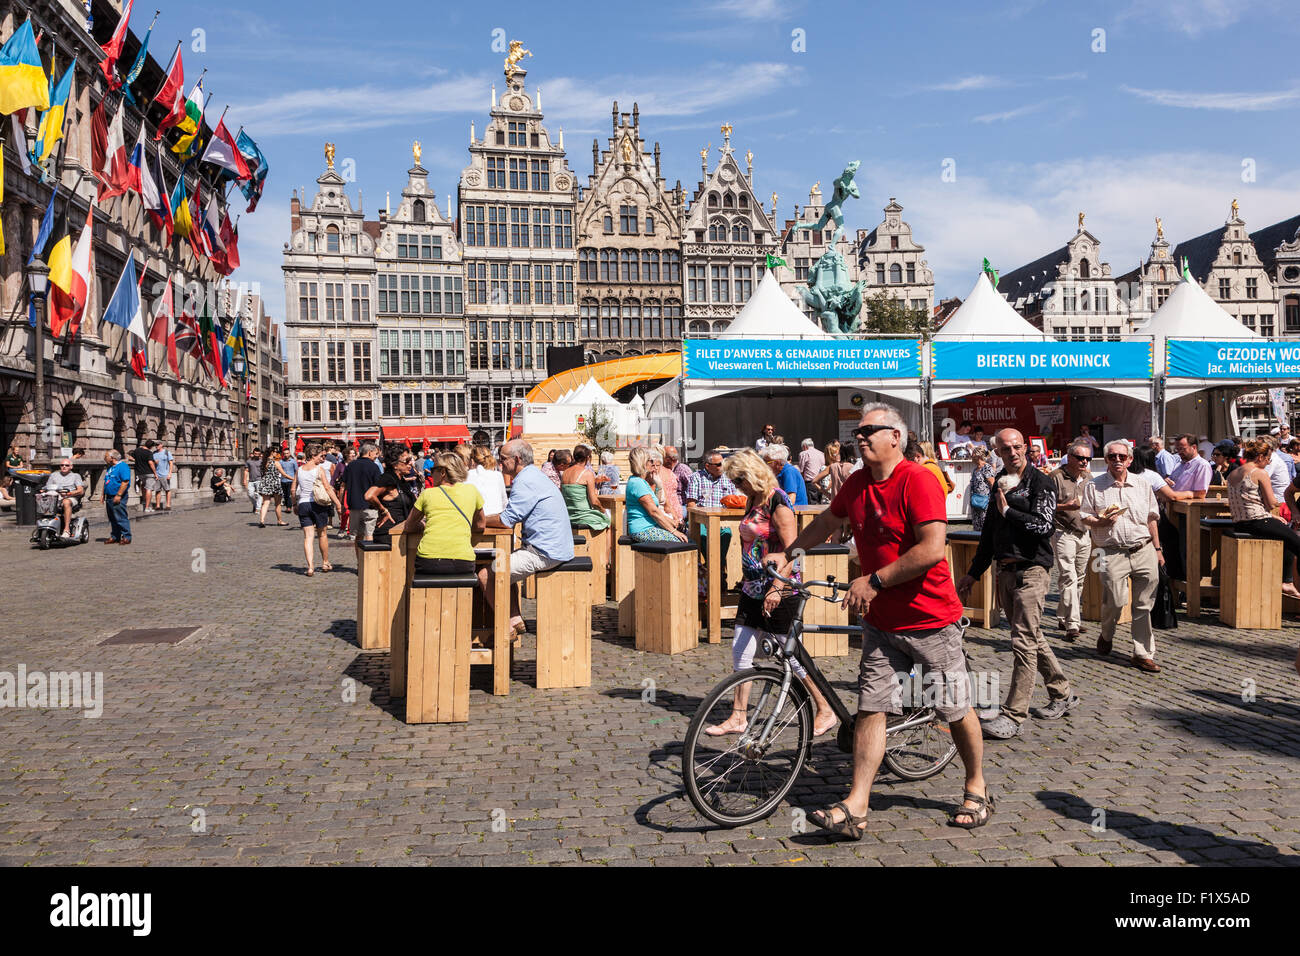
<point>923,454</point>
<point>450,512</point>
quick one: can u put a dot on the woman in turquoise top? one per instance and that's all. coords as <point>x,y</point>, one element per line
<point>646,520</point>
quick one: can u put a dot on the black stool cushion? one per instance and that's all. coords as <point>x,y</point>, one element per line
<point>573,564</point>
<point>384,545</point>
<point>1218,524</point>
<point>444,581</point>
<point>828,548</point>
<point>1247,536</point>
<point>662,547</point>
<point>484,554</point>
<point>579,539</point>
<point>963,535</point>
<point>626,539</point>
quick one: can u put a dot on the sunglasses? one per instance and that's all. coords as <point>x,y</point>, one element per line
<point>1082,457</point>
<point>866,431</point>
<point>1116,457</point>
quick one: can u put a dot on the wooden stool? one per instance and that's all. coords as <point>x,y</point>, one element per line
<point>624,582</point>
<point>1212,555</point>
<point>375,617</point>
<point>666,596</point>
<point>597,548</point>
<point>1094,594</point>
<point>820,563</point>
<point>438,648</point>
<point>983,607</point>
<point>401,569</point>
<point>564,625</point>
<point>1250,592</point>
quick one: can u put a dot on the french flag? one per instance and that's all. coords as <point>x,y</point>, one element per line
<point>135,164</point>
<point>153,190</point>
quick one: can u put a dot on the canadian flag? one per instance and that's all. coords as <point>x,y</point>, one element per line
<point>117,173</point>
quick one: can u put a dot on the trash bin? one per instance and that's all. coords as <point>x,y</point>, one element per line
<point>26,484</point>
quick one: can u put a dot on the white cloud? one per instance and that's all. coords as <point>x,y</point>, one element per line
<point>1237,102</point>
<point>751,9</point>
<point>1194,17</point>
<point>1016,213</point>
<point>1011,114</point>
<point>977,82</point>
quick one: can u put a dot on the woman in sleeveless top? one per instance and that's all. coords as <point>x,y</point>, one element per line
<point>578,486</point>
<point>1250,499</point>
<point>763,610</point>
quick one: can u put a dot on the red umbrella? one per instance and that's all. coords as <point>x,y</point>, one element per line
<point>298,446</point>
<point>407,443</point>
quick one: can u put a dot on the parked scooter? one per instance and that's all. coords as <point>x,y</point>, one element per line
<point>49,523</point>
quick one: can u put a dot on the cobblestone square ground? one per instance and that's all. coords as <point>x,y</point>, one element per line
<point>242,744</point>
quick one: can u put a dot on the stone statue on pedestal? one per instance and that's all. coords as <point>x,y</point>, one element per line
<point>845,188</point>
<point>829,292</point>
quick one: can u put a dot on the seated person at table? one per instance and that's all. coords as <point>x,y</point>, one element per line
<point>391,493</point>
<point>646,520</point>
<point>1251,501</point>
<point>537,505</point>
<point>484,476</point>
<point>6,493</point>
<point>607,476</point>
<point>450,510</point>
<point>220,486</point>
<point>69,487</point>
<point>787,475</point>
<point>578,485</point>
<point>706,489</point>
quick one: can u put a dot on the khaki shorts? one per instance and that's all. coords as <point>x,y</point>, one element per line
<point>528,561</point>
<point>889,656</point>
<point>362,523</point>
<point>155,483</point>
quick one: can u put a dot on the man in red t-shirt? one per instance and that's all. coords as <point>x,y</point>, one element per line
<point>911,611</point>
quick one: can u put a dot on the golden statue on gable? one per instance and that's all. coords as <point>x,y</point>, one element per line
<point>416,152</point>
<point>1160,228</point>
<point>627,149</point>
<point>329,155</point>
<point>517,53</point>
<point>1081,222</point>
<point>1235,209</point>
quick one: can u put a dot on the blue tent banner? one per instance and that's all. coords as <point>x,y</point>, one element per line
<point>1233,358</point>
<point>1039,360</point>
<point>801,358</point>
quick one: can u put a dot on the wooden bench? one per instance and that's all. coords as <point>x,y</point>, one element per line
<point>624,585</point>
<point>597,548</point>
<point>564,625</point>
<point>1250,582</point>
<point>667,596</point>
<point>375,605</point>
<point>819,563</point>
<point>438,648</point>
<point>983,607</point>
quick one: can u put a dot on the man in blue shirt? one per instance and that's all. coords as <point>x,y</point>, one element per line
<point>117,485</point>
<point>787,475</point>
<point>537,505</point>
<point>162,476</point>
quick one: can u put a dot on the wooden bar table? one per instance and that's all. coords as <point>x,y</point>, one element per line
<point>709,522</point>
<point>502,541</point>
<point>616,505</point>
<point>1190,514</point>
<point>804,515</point>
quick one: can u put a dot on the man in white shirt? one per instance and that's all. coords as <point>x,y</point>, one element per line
<point>69,486</point>
<point>1128,550</point>
<point>961,436</point>
<point>811,461</point>
<point>1279,469</point>
<point>1206,448</point>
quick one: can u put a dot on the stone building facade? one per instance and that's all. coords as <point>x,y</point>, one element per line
<point>891,261</point>
<point>420,355</point>
<point>725,241</point>
<point>517,199</point>
<point>629,235</point>
<point>264,416</point>
<point>329,289</point>
<point>93,399</point>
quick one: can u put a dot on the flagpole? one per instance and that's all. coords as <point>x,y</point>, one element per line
<point>167,72</point>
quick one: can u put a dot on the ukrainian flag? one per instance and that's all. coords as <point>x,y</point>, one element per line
<point>51,130</point>
<point>22,78</point>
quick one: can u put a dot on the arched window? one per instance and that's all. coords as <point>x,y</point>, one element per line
<point>718,231</point>
<point>896,274</point>
<point>1084,269</point>
<point>699,328</point>
<point>73,418</point>
<point>609,222</point>
<point>587,265</point>
<point>744,201</point>
<point>649,265</point>
<point>332,239</point>
<point>417,211</point>
<point>589,313</point>
<point>632,318</point>
<point>1164,275</point>
<point>713,200</point>
<point>629,270</point>
<point>1236,258</point>
<point>740,231</point>
<point>653,313</point>
<point>649,225</point>
<point>728,201</point>
<point>608,265</point>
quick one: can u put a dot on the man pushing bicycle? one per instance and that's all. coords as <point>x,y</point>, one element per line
<point>910,608</point>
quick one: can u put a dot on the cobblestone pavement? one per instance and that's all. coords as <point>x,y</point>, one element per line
<point>248,722</point>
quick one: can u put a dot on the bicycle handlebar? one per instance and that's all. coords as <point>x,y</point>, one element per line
<point>805,585</point>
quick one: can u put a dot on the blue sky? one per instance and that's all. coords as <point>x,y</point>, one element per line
<point>1037,124</point>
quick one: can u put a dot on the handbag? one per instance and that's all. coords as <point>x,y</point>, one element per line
<point>456,506</point>
<point>1163,617</point>
<point>320,491</point>
<point>979,501</point>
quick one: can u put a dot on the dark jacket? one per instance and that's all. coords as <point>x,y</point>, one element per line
<point>1025,532</point>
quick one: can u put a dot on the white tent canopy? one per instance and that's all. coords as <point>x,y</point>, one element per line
<point>589,392</point>
<point>986,315</point>
<point>1191,314</point>
<point>770,314</point>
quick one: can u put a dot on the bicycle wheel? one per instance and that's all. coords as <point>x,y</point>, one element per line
<point>733,779</point>
<point>923,746</point>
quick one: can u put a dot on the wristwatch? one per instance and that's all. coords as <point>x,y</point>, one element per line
<point>875,582</point>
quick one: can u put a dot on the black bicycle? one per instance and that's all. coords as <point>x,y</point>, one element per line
<point>742,777</point>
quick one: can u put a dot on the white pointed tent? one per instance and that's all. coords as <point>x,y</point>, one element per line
<point>1189,313</point>
<point>769,314</point>
<point>986,315</point>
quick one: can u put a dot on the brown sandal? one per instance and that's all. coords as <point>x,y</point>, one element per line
<point>854,828</point>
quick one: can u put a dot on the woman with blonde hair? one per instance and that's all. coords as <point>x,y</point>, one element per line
<point>768,526</point>
<point>646,519</point>
<point>836,470</point>
<point>484,476</point>
<point>1251,502</point>
<point>450,511</point>
<point>666,487</point>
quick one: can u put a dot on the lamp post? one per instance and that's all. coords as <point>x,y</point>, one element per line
<point>238,366</point>
<point>38,279</point>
